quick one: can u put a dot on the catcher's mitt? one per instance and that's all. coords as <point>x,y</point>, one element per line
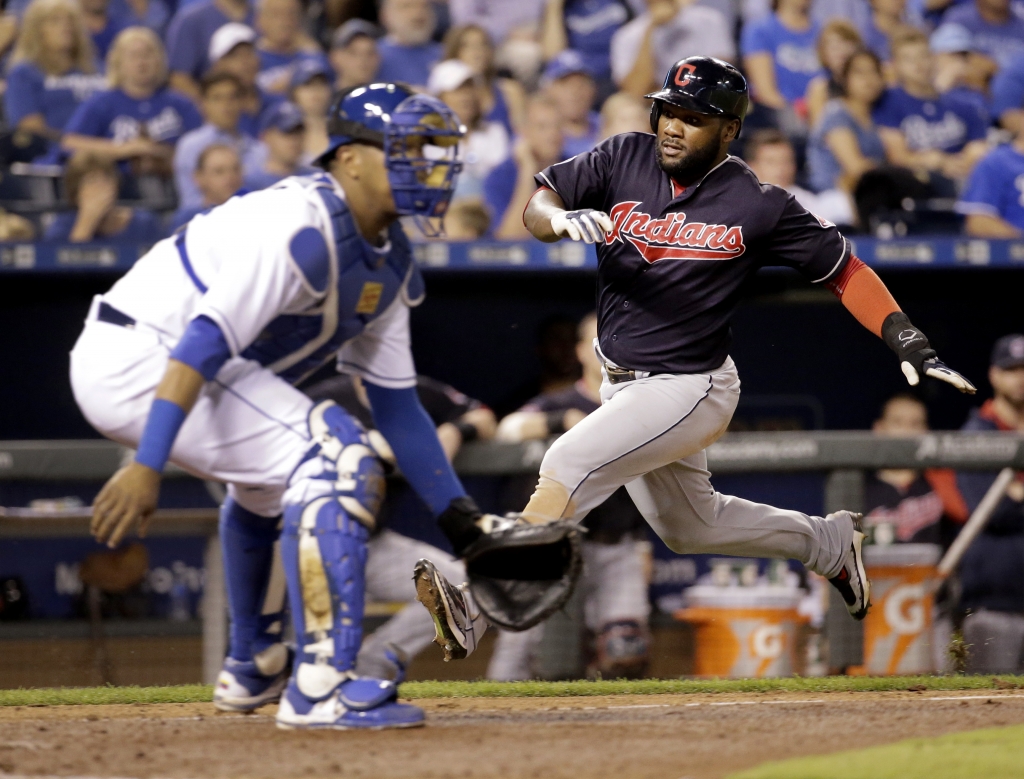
<point>521,574</point>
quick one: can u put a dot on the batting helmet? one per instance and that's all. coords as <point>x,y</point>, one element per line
<point>702,84</point>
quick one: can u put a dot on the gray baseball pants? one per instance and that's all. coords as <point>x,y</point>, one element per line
<point>650,435</point>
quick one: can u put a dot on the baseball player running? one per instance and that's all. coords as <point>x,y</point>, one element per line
<point>681,224</point>
<point>192,356</point>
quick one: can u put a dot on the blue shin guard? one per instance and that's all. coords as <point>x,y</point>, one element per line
<point>329,508</point>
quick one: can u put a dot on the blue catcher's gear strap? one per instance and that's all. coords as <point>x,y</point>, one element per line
<point>247,540</point>
<point>203,347</point>
<point>162,425</point>
<point>402,421</point>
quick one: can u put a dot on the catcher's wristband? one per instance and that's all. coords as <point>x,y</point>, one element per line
<point>458,523</point>
<point>555,421</point>
<point>909,343</point>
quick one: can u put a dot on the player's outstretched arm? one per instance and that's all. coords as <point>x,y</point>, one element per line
<point>131,494</point>
<point>866,297</point>
<point>547,220</point>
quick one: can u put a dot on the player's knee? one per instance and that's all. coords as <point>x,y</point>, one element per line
<point>339,463</point>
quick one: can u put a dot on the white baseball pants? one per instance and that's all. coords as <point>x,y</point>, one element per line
<point>248,429</point>
<point>650,435</point>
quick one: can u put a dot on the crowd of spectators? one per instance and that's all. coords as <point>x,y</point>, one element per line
<point>858,106</point>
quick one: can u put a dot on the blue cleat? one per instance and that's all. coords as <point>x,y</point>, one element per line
<point>245,686</point>
<point>355,704</point>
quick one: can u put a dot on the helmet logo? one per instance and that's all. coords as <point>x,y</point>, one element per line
<point>684,74</point>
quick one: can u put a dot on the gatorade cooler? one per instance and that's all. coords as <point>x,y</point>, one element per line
<point>744,632</point>
<point>898,627</point>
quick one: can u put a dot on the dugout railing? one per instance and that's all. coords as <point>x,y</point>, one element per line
<point>843,456</point>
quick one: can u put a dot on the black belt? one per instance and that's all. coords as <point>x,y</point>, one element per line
<point>107,313</point>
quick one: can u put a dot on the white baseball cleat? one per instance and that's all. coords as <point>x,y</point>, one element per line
<point>245,686</point>
<point>852,580</point>
<point>458,626</point>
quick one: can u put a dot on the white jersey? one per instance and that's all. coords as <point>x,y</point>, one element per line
<point>288,280</point>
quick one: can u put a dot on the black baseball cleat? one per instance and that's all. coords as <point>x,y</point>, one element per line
<point>456,627</point>
<point>852,581</point>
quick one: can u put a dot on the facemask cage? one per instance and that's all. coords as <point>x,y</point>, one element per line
<point>421,152</point>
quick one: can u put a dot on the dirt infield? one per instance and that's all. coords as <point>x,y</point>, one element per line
<point>663,736</point>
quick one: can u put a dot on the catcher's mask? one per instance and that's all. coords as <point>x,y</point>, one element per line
<point>420,137</point>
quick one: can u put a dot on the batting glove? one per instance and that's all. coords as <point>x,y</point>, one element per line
<point>585,225</point>
<point>917,358</point>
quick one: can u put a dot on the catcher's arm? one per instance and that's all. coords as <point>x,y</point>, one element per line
<point>867,298</point>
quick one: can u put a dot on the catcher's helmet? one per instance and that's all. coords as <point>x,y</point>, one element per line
<point>419,135</point>
<point>702,84</point>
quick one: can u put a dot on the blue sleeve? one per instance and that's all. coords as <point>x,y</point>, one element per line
<point>499,187</point>
<point>24,94</point>
<point>756,39</point>
<point>833,118</point>
<point>88,119</point>
<point>984,185</point>
<point>191,119</point>
<point>1008,88</point>
<point>887,113</point>
<point>185,47</point>
<point>977,126</point>
<point>203,347</point>
<point>60,228</point>
<point>401,419</point>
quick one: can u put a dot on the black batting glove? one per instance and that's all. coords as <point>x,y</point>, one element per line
<point>917,358</point>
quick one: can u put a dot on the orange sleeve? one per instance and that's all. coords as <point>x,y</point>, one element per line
<point>943,481</point>
<point>864,295</point>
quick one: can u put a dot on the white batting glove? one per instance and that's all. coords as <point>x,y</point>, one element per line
<point>585,225</point>
<point>937,369</point>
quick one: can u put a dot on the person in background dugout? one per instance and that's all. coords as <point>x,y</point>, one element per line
<point>53,70</point>
<point>91,182</point>
<point>190,39</point>
<point>837,42</point>
<point>139,119</point>
<point>509,186</point>
<point>282,45</point>
<point>997,30</point>
<point>283,133</point>
<point>921,129</point>
<point>846,144</point>
<point>887,19</point>
<point>102,25</point>
<point>780,57</point>
<point>233,50</point>
<point>570,84</point>
<point>407,51</point>
<point>502,19</point>
<point>311,93</point>
<point>217,177</point>
<point>587,26</point>
<point>668,31</point>
<point>962,72</point>
<point>624,113</point>
<point>485,144</point>
<point>222,108</point>
<point>466,220</point>
<point>1008,95</point>
<point>502,100</point>
<point>353,55</point>
<point>616,607</point>
<point>906,505</point>
<point>993,199</point>
<point>992,571</point>
<point>770,155</point>
<point>390,555</point>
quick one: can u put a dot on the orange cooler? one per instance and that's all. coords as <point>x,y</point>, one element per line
<point>898,627</point>
<point>744,632</point>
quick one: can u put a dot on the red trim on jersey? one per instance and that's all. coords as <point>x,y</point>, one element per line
<point>677,190</point>
<point>549,189</point>
<point>864,295</point>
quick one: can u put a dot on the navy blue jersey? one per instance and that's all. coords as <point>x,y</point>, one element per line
<point>669,276</point>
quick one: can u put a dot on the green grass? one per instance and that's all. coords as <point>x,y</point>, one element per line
<point>197,693</point>
<point>993,753</point>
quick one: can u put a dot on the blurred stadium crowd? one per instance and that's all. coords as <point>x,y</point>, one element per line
<point>124,118</point>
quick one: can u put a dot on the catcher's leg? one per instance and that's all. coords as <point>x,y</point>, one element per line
<point>390,558</point>
<point>617,608</point>
<point>258,664</point>
<point>332,499</point>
